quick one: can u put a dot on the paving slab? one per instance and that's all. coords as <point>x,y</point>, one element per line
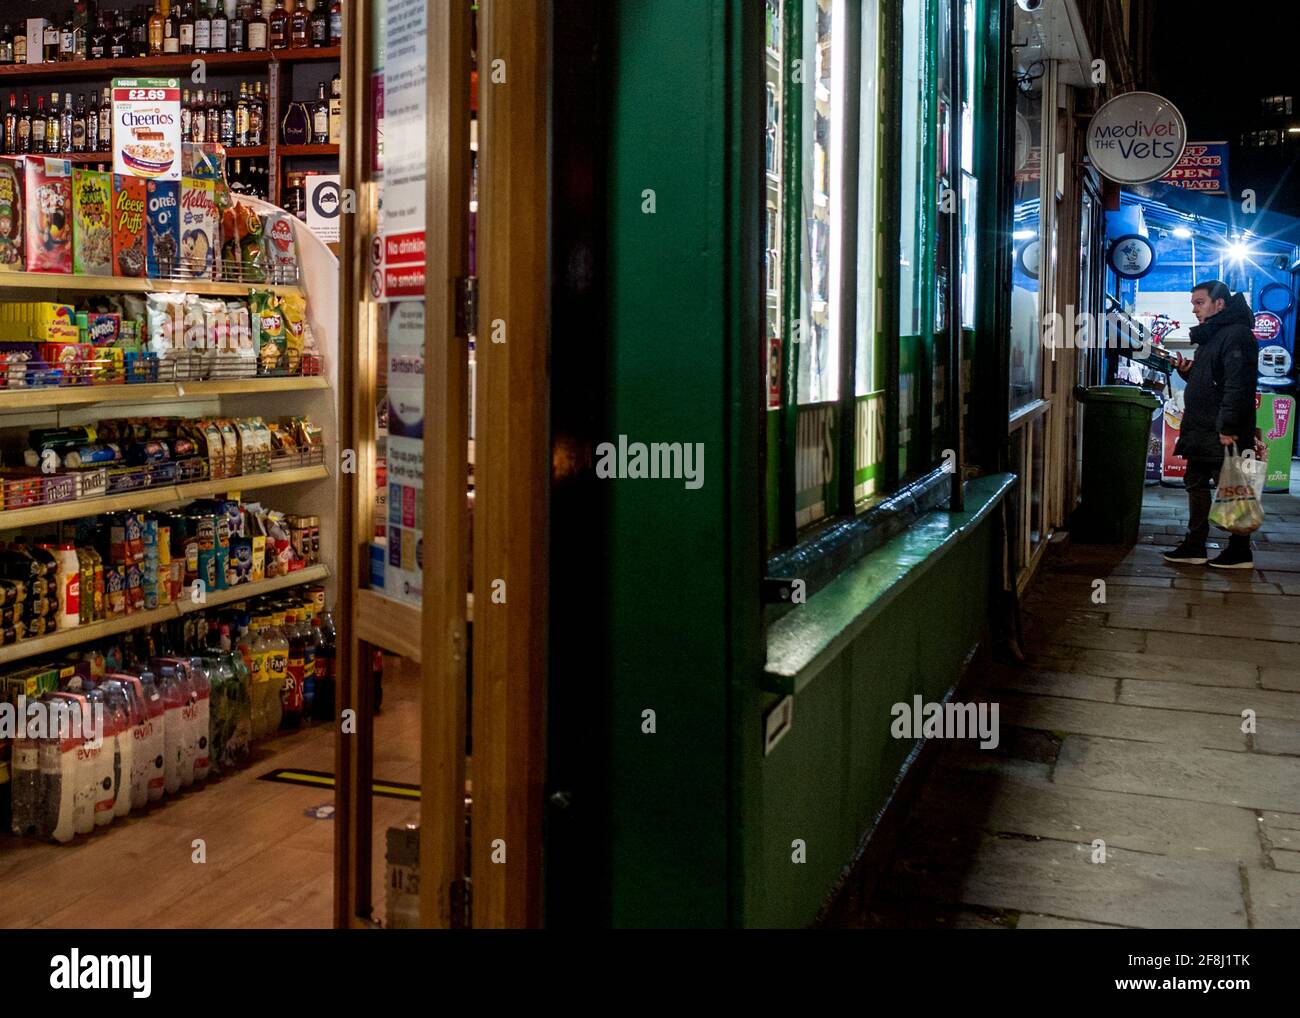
<point>1280,678</point>
<point>1183,696</point>
<point>1060,684</point>
<point>1282,821</point>
<point>1278,736</point>
<point>1155,667</point>
<point>1208,627</point>
<point>1287,862</point>
<point>1048,922</point>
<point>1252,780</point>
<point>1222,648</point>
<point>1119,721</point>
<point>1274,898</point>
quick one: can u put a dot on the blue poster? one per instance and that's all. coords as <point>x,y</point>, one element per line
<point>1203,167</point>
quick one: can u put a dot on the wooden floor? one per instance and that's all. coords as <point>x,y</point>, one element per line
<point>268,864</point>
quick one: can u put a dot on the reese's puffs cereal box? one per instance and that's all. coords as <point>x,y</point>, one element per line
<point>92,216</point>
<point>12,224</point>
<point>48,195</point>
<point>129,225</point>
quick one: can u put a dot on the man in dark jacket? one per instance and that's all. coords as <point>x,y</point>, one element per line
<point>1218,410</point>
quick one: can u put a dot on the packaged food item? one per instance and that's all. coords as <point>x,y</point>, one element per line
<point>216,324</point>
<point>48,206</point>
<point>129,226</point>
<point>195,335</point>
<point>230,443</point>
<point>12,221</point>
<point>198,228</point>
<point>166,318</point>
<point>103,328</point>
<point>293,311</point>
<point>249,244</point>
<point>268,329</point>
<point>92,217</point>
<point>281,248</point>
<point>247,446</point>
<point>241,560</point>
<point>115,589</point>
<point>258,567</point>
<point>241,332</point>
<point>164,228</point>
<point>263,436</point>
<point>203,161</point>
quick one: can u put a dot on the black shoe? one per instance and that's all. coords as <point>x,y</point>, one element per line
<point>1234,558</point>
<point>1187,554</point>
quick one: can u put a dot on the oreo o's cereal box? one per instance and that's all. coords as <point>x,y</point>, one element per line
<point>164,218</point>
<point>129,225</point>
<point>12,224</point>
<point>49,214</point>
<point>198,228</point>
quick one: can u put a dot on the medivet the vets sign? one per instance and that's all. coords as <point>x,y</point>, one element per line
<point>1136,137</point>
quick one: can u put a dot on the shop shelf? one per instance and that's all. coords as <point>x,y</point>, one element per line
<point>67,282</point>
<point>162,494</point>
<point>28,399</point>
<point>308,150</point>
<point>62,638</point>
<point>169,65</point>
<point>394,626</point>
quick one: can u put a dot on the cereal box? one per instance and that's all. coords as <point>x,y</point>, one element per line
<point>48,194</point>
<point>92,217</point>
<point>147,127</point>
<point>164,227</point>
<point>12,224</point>
<point>129,226</point>
<point>198,228</point>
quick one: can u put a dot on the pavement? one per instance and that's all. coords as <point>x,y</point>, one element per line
<point>1148,774</point>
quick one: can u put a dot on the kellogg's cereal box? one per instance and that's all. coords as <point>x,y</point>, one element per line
<point>48,195</point>
<point>129,226</point>
<point>92,217</point>
<point>12,224</point>
<point>198,228</point>
<point>164,228</point>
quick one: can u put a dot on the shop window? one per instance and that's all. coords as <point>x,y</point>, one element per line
<point>1026,366</point>
<point>857,319</point>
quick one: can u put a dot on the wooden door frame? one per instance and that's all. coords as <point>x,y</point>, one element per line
<point>512,464</point>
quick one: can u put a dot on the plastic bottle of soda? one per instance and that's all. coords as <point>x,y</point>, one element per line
<point>174,696</point>
<point>238,722</point>
<point>156,724</point>
<point>277,670</point>
<point>295,671</point>
<point>260,679</point>
<point>310,648</point>
<point>118,708</point>
<point>201,685</point>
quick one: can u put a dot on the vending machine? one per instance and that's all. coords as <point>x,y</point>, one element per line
<point>1275,399</point>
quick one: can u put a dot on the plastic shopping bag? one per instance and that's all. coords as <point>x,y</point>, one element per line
<point>1237,508</point>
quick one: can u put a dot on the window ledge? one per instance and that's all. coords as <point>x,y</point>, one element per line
<point>801,643</point>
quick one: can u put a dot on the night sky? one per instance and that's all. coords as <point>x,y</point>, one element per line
<point>1215,61</point>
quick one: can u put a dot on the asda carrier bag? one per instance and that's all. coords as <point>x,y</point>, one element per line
<point>1237,508</point>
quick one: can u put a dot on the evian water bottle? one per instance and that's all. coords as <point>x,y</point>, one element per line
<point>118,708</point>
<point>174,697</point>
<point>201,688</point>
<point>156,713</point>
<point>100,748</point>
<point>141,730</point>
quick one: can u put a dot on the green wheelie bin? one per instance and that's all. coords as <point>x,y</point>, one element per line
<point>1116,434</point>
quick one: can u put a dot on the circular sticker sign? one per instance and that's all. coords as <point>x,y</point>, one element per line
<point>1268,326</point>
<point>1132,256</point>
<point>1136,137</point>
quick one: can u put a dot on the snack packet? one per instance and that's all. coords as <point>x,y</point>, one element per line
<point>281,248</point>
<point>293,309</point>
<point>268,332</point>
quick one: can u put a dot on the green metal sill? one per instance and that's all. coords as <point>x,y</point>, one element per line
<point>801,643</point>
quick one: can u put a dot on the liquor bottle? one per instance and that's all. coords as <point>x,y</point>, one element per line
<point>213,132</point>
<point>199,119</point>
<point>238,35</point>
<point>157,28</point>
<point>140,32</point>
<point>220,29</point>
<point>25,127</point>
<point>187,28</point>
<point>319,28</point>
<point>92,122</point>
<point>67,122</point>
<point>105,122</point>
<point>320,117</point>
<point>66,47</point>
<point>256,116</point>
<point>6,44</point>
<point>54,127</point>
<point>99,39</point>
<point>279,26</point>
<point>259,31</point>
<point>38,127</point>
<point>336,110</point>
<point>82,22</point>
<point>299,35</point>
<point>79,124</point>
<point>227,119</point>
<point>242,115</point>
<point>202,28</point>
<point>336,22</point>
<point>187,114</point>
<point>50,42</point>
<point>172,28</point>
<point>119,38</point>
<point>237,177</point>
<point>11,125</point>
<point>20,44</point>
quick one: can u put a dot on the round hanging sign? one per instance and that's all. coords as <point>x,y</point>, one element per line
<point>1136,137</point>
<point>1276,297</point>
<point>1268,326</point>
<point>1132,256</point>
<point>1029,257</point>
